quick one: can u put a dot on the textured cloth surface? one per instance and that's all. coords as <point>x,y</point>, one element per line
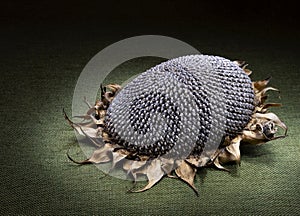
<point>38,74</point>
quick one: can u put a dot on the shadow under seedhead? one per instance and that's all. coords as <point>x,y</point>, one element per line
<point>261,154</point>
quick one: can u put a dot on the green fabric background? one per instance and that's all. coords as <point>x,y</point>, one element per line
<point>39,69</point>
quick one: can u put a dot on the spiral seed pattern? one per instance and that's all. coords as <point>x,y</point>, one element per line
<point>181,106</point>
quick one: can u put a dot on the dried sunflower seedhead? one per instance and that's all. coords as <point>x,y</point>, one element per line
<point>125,124</point>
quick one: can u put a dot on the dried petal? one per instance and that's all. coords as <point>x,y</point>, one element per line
<point>247,71</point>
<point>96,141</point>
<point>108,96</point>
<point>264,107</point>
<point>254,137</point>
<point>167,165</point>
<point>268,105</point>
<point>231,153</point>
<point>243,65</point>
<point>218,165</point>
<point>154,173</point>
<point>78,162</point>
<point>102,155</point>
<point>134,167</point>
<point>87,102</point>
<point>187,173</point>
<point>196,161</point>
<point>127,165</point>
<point>84,117</point>
<point>260,85</point>
<point>75,126</point>
<point>85,129</point>
<point>271,117</point>
<point>114,87</point>
<point>89,132</point>
<point>263,129</point>
<point>240,63</point>
<point>117,157</point>
<point>106,138</point>
<point>261,97</point>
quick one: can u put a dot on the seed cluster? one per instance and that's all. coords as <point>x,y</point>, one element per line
<point>181,106</point>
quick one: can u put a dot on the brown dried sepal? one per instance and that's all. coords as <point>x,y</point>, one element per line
<point>187,172</point>
<point>230,153</point>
